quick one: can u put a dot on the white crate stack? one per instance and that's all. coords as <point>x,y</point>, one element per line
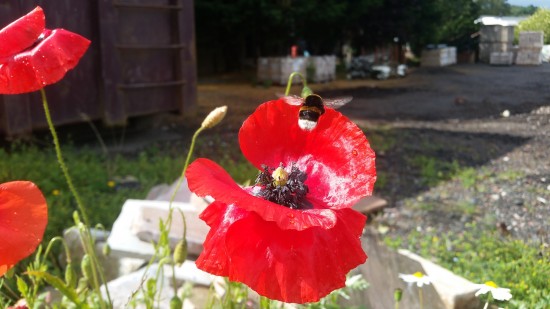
<point>324,68</point>
<point>530,48</point>
<point>438,57</point>
<point>278,69</point>
<point>495,45</point>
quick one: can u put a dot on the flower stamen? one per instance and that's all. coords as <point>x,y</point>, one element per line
<point>284,188</point>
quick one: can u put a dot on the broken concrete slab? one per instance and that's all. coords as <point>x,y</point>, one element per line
<point>137,225</point>
<point>122,288</point>
<point>455,291</point>
<point>382,270</point>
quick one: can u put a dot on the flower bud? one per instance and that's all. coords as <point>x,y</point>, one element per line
<point>397,295</point>
<point>86,267</point>
<point>180,252</point>
<point>70,275</point>
<point>214,117</point>
<point>176,303</point>
<point>306,91</point>
<point>82,285</point>
<point>106,249</point>
<point>76,217</point>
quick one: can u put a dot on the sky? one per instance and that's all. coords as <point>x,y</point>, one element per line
<point>540,3</point>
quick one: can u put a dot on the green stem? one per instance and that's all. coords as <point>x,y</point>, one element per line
<point>187,160</point>
<point>289,83</point>
<point>50,244</point>
<point>87,237</point>
<point>60,159</point>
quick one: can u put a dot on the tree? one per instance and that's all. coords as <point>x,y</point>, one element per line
<point>494,7</point>
<point>522,10</point>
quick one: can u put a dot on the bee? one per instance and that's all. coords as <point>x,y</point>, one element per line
<point>312,107</point>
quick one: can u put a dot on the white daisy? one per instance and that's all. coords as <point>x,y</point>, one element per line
<point>419,278</point>
<point>496,292</point>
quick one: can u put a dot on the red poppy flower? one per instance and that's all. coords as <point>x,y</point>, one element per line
<point>23,218</point>
<point>32,56</point>
<point>293,236</point>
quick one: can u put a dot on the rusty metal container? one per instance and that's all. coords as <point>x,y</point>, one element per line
<point>141,61</point>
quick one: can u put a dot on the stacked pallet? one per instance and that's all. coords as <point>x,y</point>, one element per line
<point>323,68</point>
<point>438,57</point>
<point>496,44</point>
<point>530,48</point>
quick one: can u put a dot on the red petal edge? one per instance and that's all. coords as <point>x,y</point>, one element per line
<point>335,155</point>
<point>23,219</point>
<point>45,64</point>
<point>22,33</point>
<point>206,178</point>
<point>287,265</point>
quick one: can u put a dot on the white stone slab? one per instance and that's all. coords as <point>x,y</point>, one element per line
<point>122,288</point>
<point>455,291</point>
<point>128,239</point>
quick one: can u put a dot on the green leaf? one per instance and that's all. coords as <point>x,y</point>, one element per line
<point>57,283</point>
<point>22,286</point>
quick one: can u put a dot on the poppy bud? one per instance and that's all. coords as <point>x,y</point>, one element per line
<point>76,217</point>
<point>214,117</point>
<point>306,91</point>
<point>397,295</point>
<point>86,267</point>
<point>180,252</point>
<point>70,275</point>
<point>151,285</point>
<point>106,250</point>
<point>82,285</point>
<point>176,303</point>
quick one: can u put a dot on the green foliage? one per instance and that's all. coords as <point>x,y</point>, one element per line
<point>540,21</point>
<point>522,10</point>
<point>432,170</point>
<point>482,256</point>
<point>91,176</point>
<point>494,7</point>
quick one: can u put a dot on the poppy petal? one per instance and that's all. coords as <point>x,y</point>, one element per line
<point>335,155</point>
<point>23,219</point>
<point>44,64</point>
<point>205,177</point>
<point>288,265</point>
<point>22,33</point>
<point>4,269</point>
<point>213,258</point>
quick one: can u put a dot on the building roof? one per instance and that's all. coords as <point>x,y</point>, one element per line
<point>500,20</point>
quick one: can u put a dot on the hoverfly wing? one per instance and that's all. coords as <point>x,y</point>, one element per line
<point>293,100</point>
<point>336,103</point>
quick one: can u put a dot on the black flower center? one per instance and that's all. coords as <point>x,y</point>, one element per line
<point>279,186</point>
